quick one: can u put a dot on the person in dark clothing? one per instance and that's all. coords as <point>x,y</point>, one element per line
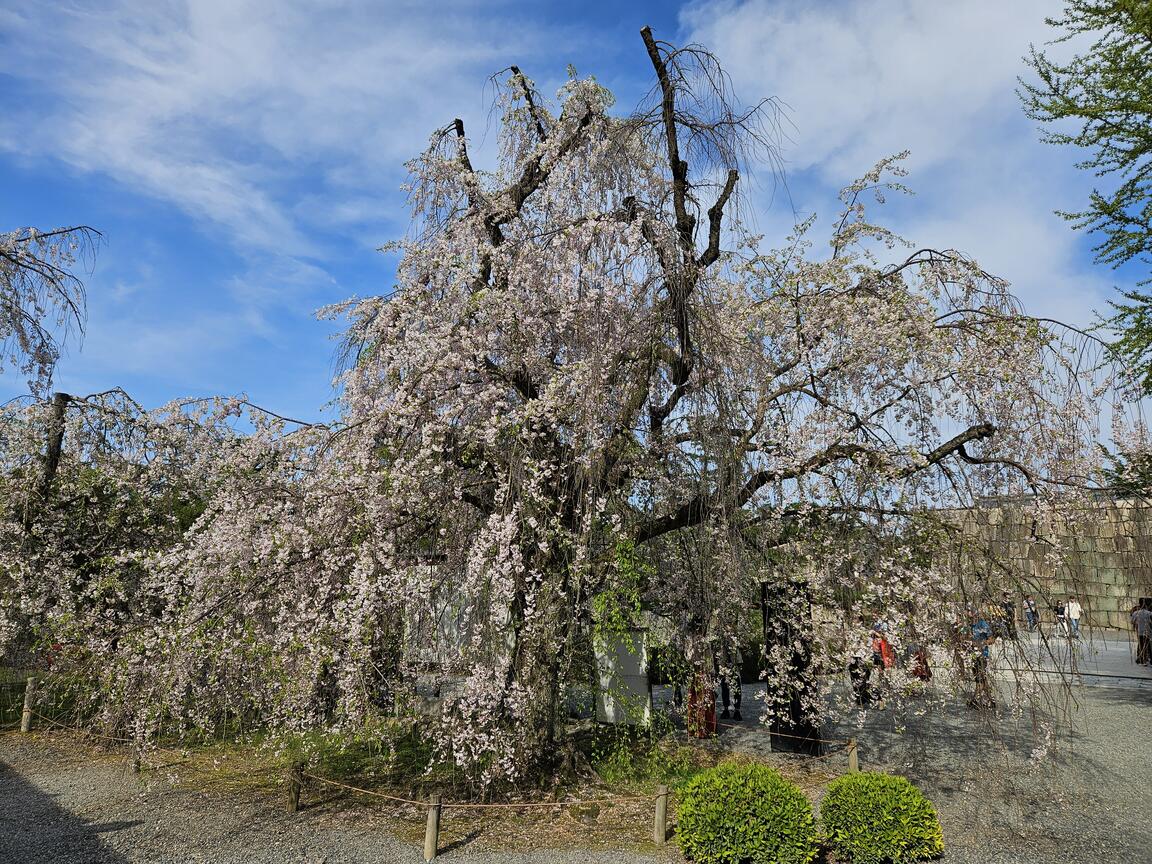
<point>730,692</point>
<point>735,693</point>
<point>1009,615</point>
<point>859,673</point>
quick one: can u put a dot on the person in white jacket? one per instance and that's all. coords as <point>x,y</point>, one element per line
<point>1074,611</point>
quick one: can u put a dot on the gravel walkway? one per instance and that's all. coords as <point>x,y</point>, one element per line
<point>62,803</point>
<point>1087,803</point>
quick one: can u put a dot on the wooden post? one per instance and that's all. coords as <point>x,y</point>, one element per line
<point>26,715</point>
<point>432,829</point>
<point>295,782</point>
<point>853,756</point>
<point>660,826</point>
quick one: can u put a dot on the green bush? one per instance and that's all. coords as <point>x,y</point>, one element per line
<point>871,818</point>
<point>733,814</point>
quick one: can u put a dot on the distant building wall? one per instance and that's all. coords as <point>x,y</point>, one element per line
<point>1106,561</point>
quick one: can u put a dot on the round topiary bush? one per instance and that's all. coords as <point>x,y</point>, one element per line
<point>870,818</point>
<point>734,814</point>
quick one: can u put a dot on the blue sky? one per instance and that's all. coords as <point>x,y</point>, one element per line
<point>244,159</point>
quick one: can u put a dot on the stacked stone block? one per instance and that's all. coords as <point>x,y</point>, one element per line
<point>1105,554</point>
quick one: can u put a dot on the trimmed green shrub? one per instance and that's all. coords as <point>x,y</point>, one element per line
<point>870,818</point>
<point>745,814</point>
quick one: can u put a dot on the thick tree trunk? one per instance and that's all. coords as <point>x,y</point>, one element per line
<point>55,442</point>
<point>537,649</point>
<point>53,447</point>
<point>791,687</point>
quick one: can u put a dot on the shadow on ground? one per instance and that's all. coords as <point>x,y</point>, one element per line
<point>34,830</point>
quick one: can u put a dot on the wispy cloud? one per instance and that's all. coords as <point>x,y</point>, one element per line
<point>238,111</point>
<point>866,79</point>
<point>280,129</point>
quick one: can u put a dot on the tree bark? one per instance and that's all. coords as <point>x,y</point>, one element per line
<point>55,441</point>
<point>791,728</point>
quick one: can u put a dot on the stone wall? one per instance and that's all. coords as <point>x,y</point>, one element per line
<point>1104,557</point>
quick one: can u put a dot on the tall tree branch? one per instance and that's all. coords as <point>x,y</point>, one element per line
<point>697,510</point>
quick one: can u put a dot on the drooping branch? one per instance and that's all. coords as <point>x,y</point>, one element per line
<point>36,285</point>
<point>701,507</point>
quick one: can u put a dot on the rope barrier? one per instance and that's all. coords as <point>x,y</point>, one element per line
<point>467,806</point>
<point>81,729</point>
<point>842,741</point>
<point>464,806</point>
<point>811,758</point>
<point>91,734</point>
<point>1075,672</point>
<point>363,791</point>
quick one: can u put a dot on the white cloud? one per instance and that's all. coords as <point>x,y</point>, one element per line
<point>285,126</point>
<point>236,110</point>
<point>280,128</point>
<point>870,78</point>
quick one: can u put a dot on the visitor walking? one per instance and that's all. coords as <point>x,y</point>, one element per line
<point>1142,623</point>
<point>1060,611</point>
<point>1031,615</point>
<point>1074,611</point>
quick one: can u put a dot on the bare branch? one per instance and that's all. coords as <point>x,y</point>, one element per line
<point>715,218</point>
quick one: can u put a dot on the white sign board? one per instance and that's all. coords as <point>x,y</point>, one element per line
<point>624,695</point>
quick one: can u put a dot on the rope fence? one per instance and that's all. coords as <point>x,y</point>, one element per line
<point>475,805</point>
<point>435,805</point>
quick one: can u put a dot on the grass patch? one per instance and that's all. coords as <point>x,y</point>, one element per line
<point>632,761</point>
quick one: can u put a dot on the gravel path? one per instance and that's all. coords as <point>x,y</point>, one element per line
<point>62,803</point>
<point>1089,801</point>
<point>1086,803</point>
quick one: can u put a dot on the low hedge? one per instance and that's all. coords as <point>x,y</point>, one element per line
<point>872,818</point>
<point>745,814</point>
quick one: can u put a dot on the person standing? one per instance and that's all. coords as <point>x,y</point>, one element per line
<point>882,654</point>
<point>1142,622</point>
<point>728,671</point>
<point>1031,615</point>
<point>1060,611</point>
<point>1074,611</point>
<point>1008,615</point>
<point>981,634</point>
<point>859,673</point>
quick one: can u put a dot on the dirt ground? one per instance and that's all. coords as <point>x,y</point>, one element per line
<point>1087,799</point>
